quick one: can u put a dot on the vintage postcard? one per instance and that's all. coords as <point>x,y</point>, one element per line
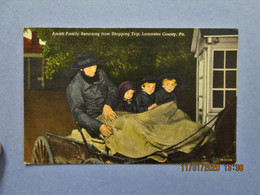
<point>130,95</point>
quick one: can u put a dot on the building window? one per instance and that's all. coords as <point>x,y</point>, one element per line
<point>224,85</point>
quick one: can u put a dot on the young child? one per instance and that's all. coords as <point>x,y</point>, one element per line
<point>126,91</point>
<point>169,83</point>
<point>145,99</point>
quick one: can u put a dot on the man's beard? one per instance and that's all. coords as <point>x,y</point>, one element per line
<point>88,79</point>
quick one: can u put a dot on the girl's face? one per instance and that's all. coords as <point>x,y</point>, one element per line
<point>149,88</point>
<point>90,71</point>
<point>169,85</point>
<point>129,94</point>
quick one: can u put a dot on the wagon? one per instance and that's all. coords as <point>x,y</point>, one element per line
<point>56,149</point>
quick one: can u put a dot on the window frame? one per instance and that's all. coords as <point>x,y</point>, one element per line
<point>224,69</point>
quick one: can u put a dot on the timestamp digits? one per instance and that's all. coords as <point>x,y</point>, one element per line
<point>200,167</point>
<point>235,167</point>
<point>211,167</point>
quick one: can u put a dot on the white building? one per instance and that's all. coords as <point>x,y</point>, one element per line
<point>216,82</point>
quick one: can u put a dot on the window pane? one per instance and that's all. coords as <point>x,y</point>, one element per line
<point>231,78</point>
<point>231,59</point>
<point>230,95</point>
<point>217,99</point>
<point>218,78</point>
<point>218,59</point>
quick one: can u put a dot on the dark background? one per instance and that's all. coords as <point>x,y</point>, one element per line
<point>126,58</point>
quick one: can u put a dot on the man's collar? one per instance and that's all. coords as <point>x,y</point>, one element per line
<point>88,79</point>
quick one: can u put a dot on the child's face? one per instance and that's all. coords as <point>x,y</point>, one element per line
<point>149,88</point>
<point>129,94</point>
<point>169,85</point>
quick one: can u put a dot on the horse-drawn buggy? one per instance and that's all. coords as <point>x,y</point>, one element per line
<point>203,144</point>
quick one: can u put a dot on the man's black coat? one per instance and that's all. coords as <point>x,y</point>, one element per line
<point>87,99</point>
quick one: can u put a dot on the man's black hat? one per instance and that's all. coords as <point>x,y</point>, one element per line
<point>84,60</point>
<point>171,76</point>
<point>148,79</point>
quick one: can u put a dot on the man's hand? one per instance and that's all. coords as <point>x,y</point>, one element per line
<point>106,130</point>
<point>108,113</point>
<point>152,106</point>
